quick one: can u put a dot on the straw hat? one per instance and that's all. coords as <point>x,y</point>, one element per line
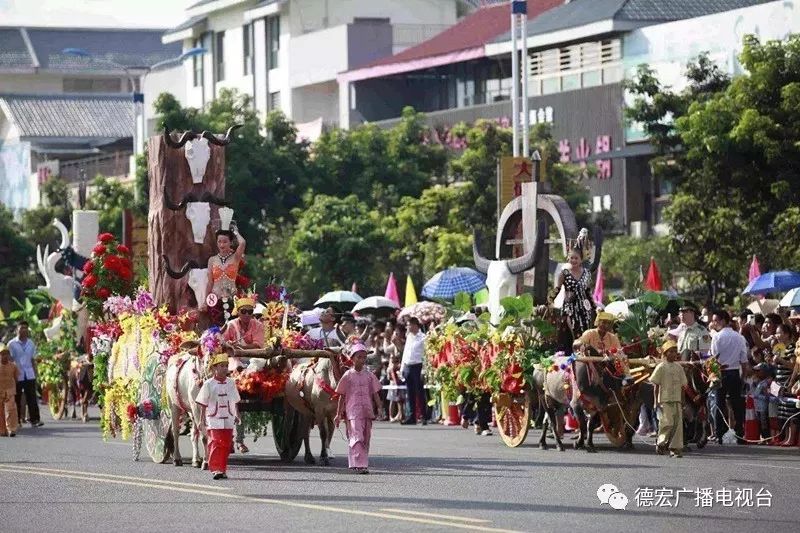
<point>604,316</point>
<point>669,345</point>
<point>220,358</point>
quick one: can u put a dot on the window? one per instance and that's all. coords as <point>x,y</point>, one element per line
<point>219,56</point>
<point>576,66</point>
<point>89,85</point>
<point>274,101</point>
<point>197,65</point>
<point>273,41</point>
<point>247,46</point>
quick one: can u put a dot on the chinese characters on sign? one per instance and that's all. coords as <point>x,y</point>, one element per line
<point>702,497</point>
<point>583,150</point>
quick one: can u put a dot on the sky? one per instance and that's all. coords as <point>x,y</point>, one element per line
<point>93,13</point>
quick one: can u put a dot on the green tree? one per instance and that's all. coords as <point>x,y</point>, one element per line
<point>737,175</point>
<point>626,258</point>
<point>17,253</point>
<point>337,241</point>
<point>37,223</point>
<point>110,197</point>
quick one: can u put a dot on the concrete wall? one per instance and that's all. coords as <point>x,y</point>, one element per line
<point>170,80</point>
<point>314,101</point>
<point>311,15</point>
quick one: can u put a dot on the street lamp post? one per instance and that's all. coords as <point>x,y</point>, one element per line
<point>139,126</point>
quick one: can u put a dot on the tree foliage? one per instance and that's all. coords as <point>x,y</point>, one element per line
<point>16,251</point>
<point>625,259</point>
<point>110,197</point>
<point>737,174</point>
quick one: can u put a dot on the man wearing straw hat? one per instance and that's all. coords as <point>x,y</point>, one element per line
<point>247,333</point>
<point>668,380</point>
<point>604,341</point>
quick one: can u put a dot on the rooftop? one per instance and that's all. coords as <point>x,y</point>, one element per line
<point>462,41</point>
<point>578,13</point>
<point>70,115</point>
<point>133,48</point>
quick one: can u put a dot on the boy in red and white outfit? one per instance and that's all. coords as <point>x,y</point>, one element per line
<point>218,399</point>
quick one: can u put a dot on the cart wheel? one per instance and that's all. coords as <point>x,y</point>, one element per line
<point>616,429</point>
<point>513,415</point>
<point>157,433</point>
<point>286,426</point>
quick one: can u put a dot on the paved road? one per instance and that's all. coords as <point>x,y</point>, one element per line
<point>63,477</point>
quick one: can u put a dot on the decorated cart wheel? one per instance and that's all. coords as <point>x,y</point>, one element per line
<point>615,427</point>
<point>513,415</point>
<point>286,428</point>
<point>156,429</point>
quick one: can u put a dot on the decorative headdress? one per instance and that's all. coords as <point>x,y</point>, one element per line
<point>583,245</point>
<point>244,301</point>
<point>355,348</point>
<point>211,341</point>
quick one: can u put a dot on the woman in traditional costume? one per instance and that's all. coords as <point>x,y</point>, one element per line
<point>222,271</point>
<point>578,303</point>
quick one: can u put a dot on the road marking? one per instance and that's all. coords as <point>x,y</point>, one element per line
<point>112,476</point>
<point>434,515</point>
<point>771,466</point>
<point>91,476</point>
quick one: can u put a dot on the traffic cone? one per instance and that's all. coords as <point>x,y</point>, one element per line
<point>570,424</point>
<point>751,427</point>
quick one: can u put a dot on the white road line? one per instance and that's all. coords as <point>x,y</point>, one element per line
<point>434,515</point>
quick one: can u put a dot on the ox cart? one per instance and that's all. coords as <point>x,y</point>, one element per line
<point>154,423</point>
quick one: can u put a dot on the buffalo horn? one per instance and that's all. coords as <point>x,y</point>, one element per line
<point>187,136</point>
<point>182,272</point>
<point>525,262</point>
<point>597,234</point>
<point>213,139</point>
<point>481,263</point>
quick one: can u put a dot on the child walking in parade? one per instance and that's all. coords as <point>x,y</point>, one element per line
<point>396,397</point>
<point>358,407</point>
<point>9,374</point>
<point>218,399</point>
<point>668,380</point>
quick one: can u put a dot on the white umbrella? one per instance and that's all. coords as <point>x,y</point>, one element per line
<point>764,307</point>
<point>792,298</point>
<point>339,299</point>
<point>374,304</point>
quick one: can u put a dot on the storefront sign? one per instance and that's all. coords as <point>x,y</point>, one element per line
<point>583,150</point>
<point>514,171</point>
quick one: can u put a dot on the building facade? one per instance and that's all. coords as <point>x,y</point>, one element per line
<point>286,54</point>
<point>577,66</point>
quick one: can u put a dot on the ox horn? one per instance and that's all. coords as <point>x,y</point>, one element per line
<point>213,139</point>
<point>64,234</point>
<point>597,234</point>
<point>187,266</point>
<point>40,263</point>
<point>526,261</point>
<point>187,136</point>
<point>481,263</point>
<point>168,201</point>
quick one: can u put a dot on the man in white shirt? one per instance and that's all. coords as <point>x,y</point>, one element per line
<point>411,370</point>
<point>23,352</point>
<point>730,349</point>
<point>326,332</point>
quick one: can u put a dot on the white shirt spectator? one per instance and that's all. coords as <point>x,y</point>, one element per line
<point>730,348</point>
<point>414,350</point>
<point>329,338</point>
<point>22,353</point>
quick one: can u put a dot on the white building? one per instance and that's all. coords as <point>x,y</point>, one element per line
<point>287,53</point>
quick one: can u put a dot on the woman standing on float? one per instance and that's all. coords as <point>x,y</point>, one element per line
<point>578,302</point>
<point>223,269</point>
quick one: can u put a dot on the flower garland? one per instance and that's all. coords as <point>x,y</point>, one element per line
<point>109,272</point>
<point>263,385</point>
<point>116,418</point>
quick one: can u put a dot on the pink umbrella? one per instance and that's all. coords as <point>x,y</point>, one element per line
<point>599,286</point>
<point>755,269</point>
<point>391,290</point>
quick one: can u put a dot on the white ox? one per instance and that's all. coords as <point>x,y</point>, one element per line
<point>501,275</point>
<point>59,286</point>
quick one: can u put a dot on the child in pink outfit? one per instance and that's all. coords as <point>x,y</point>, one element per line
<point>358,404</point>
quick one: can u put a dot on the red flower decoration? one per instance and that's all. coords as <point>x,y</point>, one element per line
<point>103,292</point>
<point>106,237</point>
<point>613,350</point>
<point>132,412</point>
<point>90,281</point>
<point>126,274</point>
<point>242,281</point>
<point>123,249</point>
<point>99,249</point>
<point>88,266</point>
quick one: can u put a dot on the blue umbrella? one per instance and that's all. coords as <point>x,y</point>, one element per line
<point>447,283</point>
<point>782,280</point>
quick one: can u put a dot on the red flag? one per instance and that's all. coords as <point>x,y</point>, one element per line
<point>391,290</point>
<point>653,280</point>
<point>755,269</point>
